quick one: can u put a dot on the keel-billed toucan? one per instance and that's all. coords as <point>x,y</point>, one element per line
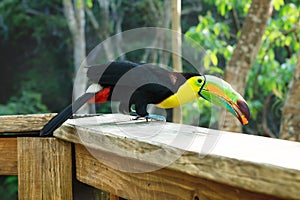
<point>142,84</point>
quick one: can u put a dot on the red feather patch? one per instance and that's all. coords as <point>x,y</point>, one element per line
<point>101,96</point>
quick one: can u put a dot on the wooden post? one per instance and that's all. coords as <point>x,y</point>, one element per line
<point>8,156</point>
<point>44,168</point>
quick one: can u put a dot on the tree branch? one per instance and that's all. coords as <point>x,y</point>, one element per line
<point>94,22</point>
<point>236,20</point>
<point>80,17</point>
<point>70,15</point>
<point>191,10</point>
<point>265,127</point>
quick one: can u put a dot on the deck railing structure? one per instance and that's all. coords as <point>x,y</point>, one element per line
<point>134,159</point>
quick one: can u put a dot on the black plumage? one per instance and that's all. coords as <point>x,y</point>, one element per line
<point>138,84</point>
<point>129,83</point>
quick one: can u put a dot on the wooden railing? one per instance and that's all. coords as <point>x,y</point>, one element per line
<point>140,160</point>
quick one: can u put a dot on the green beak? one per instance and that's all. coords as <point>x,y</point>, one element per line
<point>220,93</point>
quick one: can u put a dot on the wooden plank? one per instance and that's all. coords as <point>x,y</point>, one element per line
<point>159,184</point>
<point>257,164</point>
<point>8,156</point>
<point>30,179</point>
<point>44,168</point>
<point>23,123</point>
<point>113,197</point>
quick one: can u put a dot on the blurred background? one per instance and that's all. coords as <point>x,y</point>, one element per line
<point>44,42</point>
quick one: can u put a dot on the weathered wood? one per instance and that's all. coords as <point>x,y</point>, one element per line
<point>44,168</point>
<point>113,197</point>
<point>23,123</point>
<point>8,156</point>
<point>257,164</point>
<point>160,184</point>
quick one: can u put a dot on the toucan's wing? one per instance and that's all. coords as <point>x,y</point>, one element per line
<point>129,74</point>
<point>109,73</point>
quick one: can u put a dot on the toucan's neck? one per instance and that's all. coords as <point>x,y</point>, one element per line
<point>187,92</point>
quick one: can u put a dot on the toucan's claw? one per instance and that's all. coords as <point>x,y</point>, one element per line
<point>155,117</point>
<point>150,117</point>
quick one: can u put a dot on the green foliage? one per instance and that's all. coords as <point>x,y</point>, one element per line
<point>213,36</point>
<point>9,188</point>
<point>26,102</point>
<point>274,66</point>
<point>225,7</point>
<point>277,57</point>
<point>22,18</point>
<point>35,47</point>
<point>278,3</point>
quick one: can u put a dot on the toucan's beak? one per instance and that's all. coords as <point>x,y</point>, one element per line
<point>219,92</point>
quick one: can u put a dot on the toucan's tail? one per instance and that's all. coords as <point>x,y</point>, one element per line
<point>65,114</point>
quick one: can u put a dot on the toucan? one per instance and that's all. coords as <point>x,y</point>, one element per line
<point>141,84</point>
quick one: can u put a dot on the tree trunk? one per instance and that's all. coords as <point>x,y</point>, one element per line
<point>74,13</point>
<point>162,17</point>
<point>245,53</point>
<point>165,22</point>
<point>290,123</point>
<point>176,48</point>
<point>110,22</point>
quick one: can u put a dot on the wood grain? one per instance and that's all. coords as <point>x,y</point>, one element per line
<point>160,184</point>
<point>252,163</point>
<point>44,168</point>
<point>23,123</point>
<point>113,197</point>
<point>8,156</point>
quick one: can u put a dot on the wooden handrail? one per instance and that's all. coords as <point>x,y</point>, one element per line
<point>252,163</point>
<point>135,159</point>
<point>23,123</point>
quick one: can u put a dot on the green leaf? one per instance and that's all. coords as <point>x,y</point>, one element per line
<point>277,4</point>
<point>217,70</point>
<point>222,9</point>
<point>89,3</point>
<point>206,61</point>
<point>213,58</point>
<point>217,29</point>
<point>288,41</point>
<point>277,92</point>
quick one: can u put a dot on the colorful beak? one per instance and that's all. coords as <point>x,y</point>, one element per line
<point>219,92</point>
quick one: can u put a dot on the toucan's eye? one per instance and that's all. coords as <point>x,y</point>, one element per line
<point>199,81</point>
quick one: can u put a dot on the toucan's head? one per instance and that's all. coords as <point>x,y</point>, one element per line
<point>219,92</point>
<point>212,89</point>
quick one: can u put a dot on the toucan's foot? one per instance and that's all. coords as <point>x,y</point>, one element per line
<point>155,117</point>
<point>149,117</point>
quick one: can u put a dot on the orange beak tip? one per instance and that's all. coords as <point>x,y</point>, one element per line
<point>244,120</point>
